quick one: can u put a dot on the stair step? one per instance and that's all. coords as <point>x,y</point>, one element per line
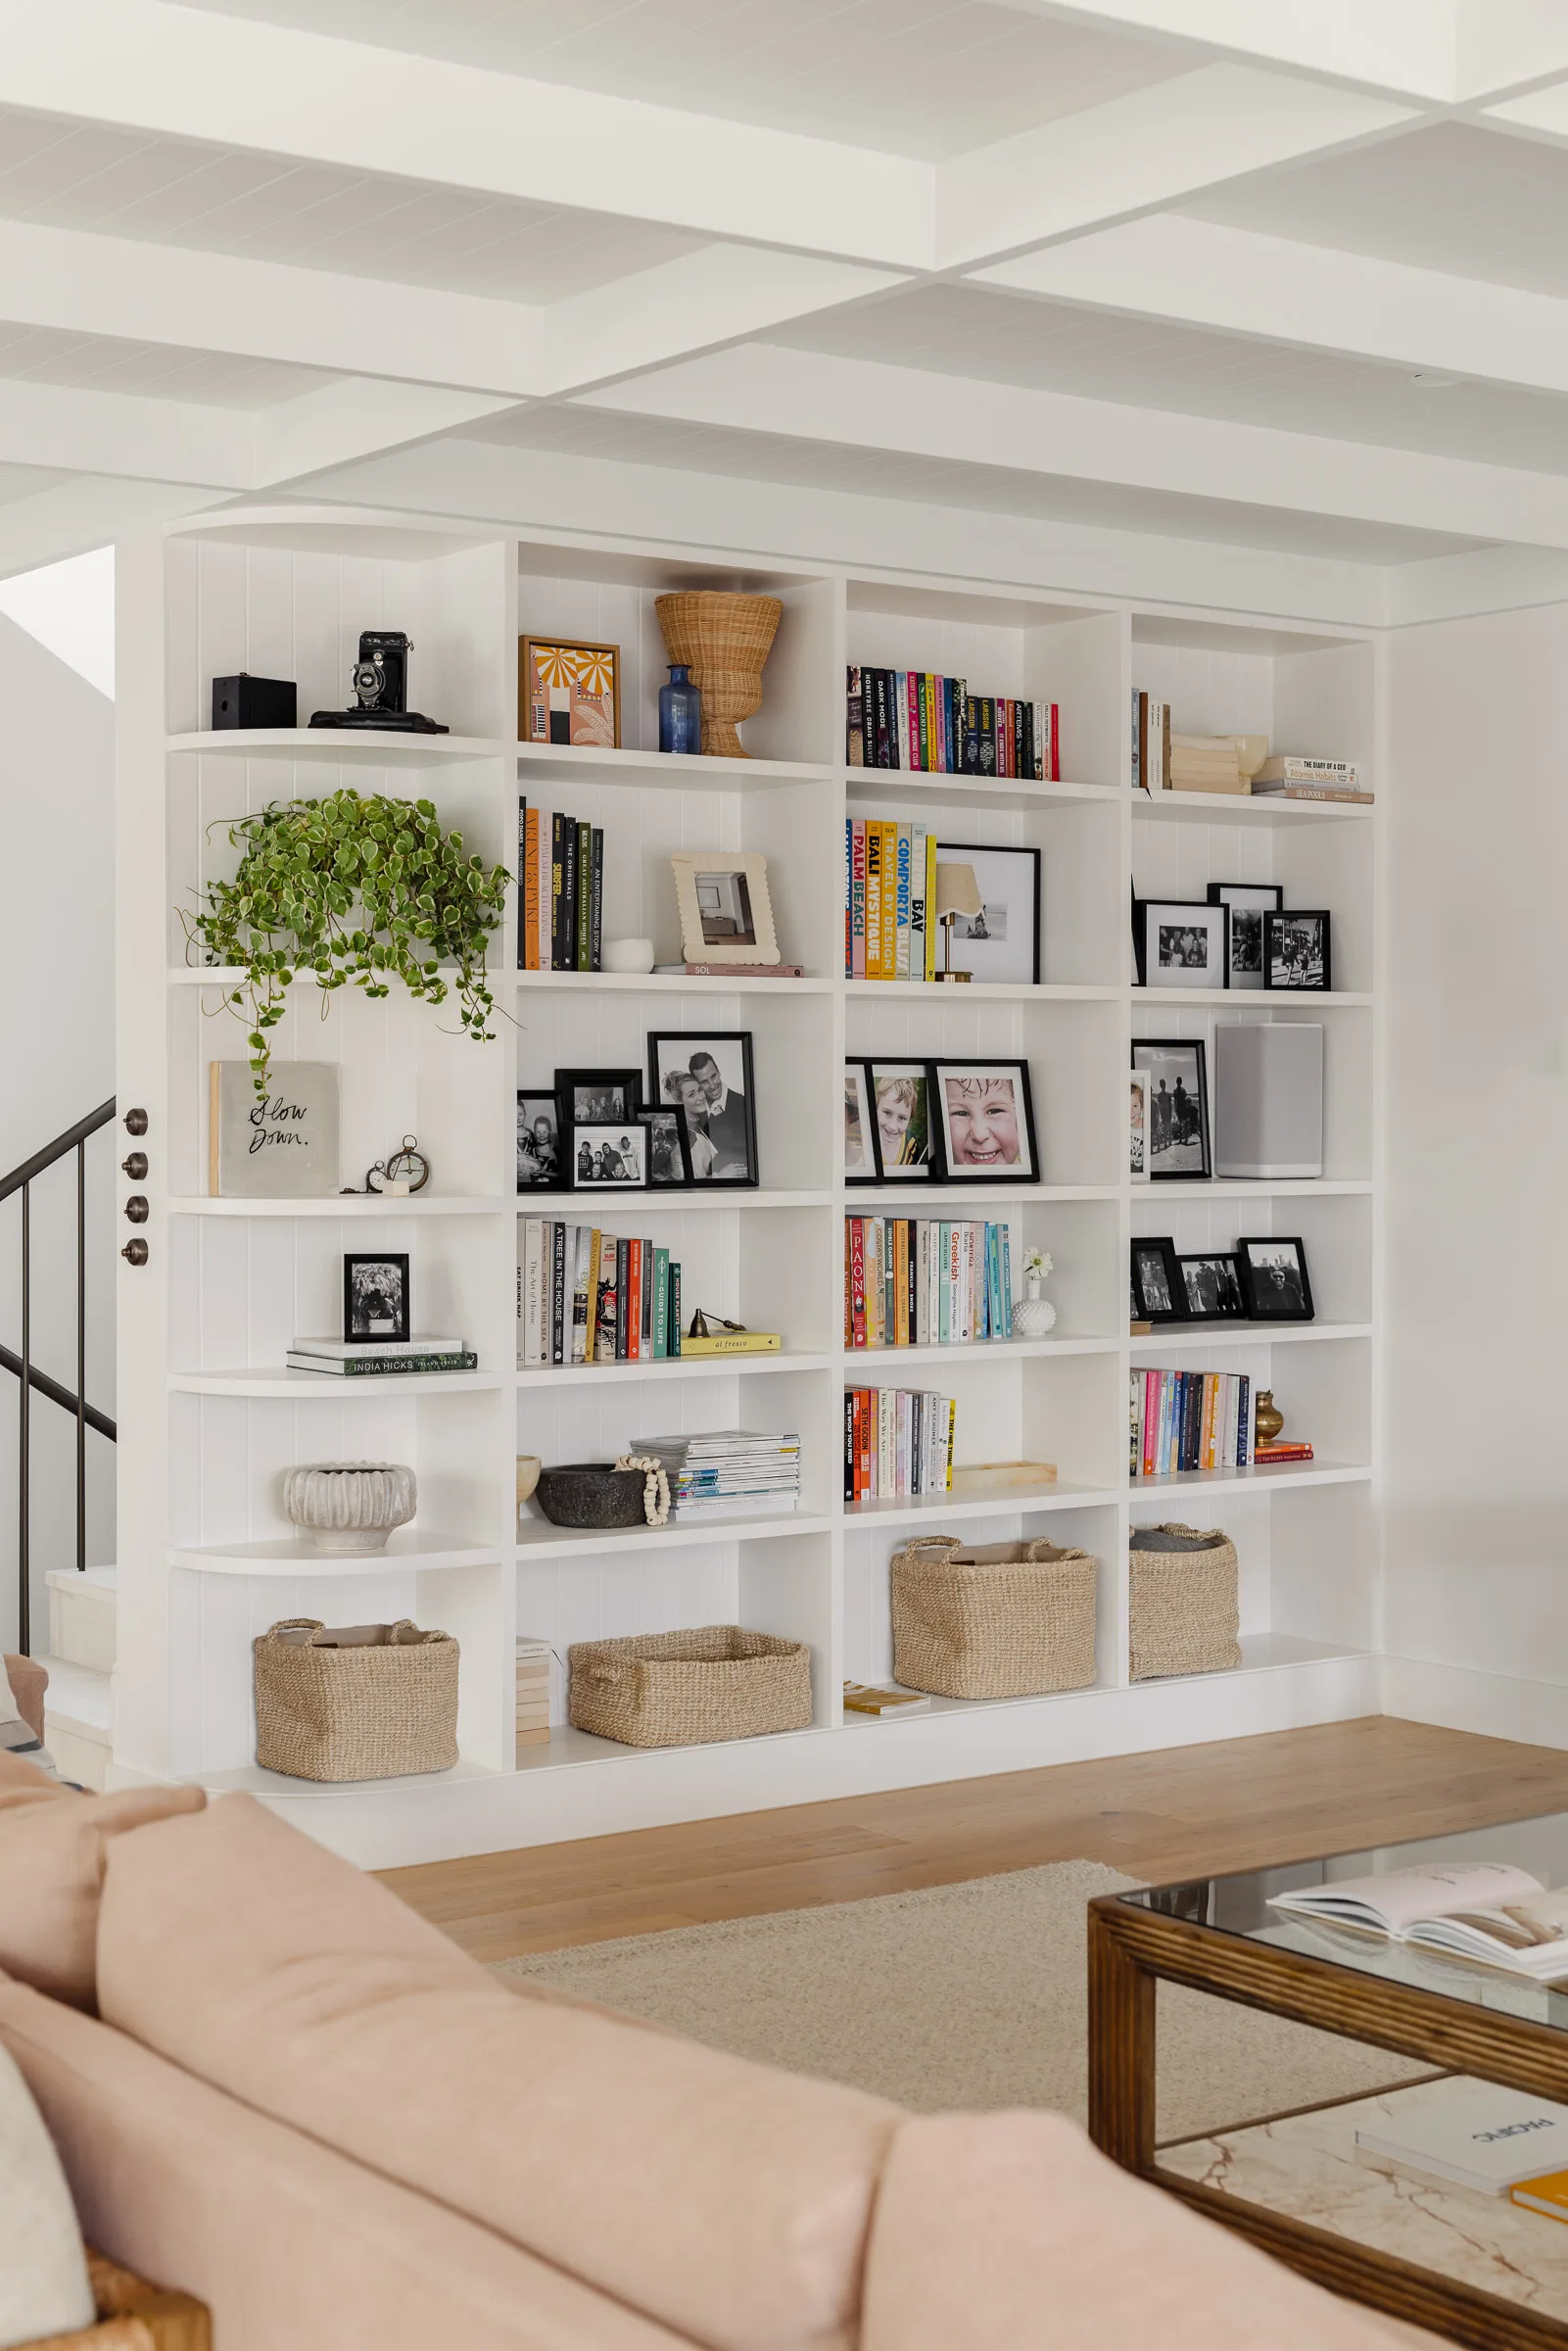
<point>81,1616</point>
<point>78,1720</point>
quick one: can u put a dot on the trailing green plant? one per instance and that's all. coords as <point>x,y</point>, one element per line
<point>356,893</point>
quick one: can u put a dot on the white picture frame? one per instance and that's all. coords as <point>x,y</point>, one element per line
<point>726,911</point>
<point>1183,942</point>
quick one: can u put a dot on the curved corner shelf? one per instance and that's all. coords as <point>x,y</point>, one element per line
<point>407,1548</point>
<point>331,1386</point>
<point>359,1206</point>
<point>337,746</point>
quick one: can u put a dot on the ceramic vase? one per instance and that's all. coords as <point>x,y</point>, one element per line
<point>1034,1315</point>
<point>723,642</point>
<point>349,1506</point>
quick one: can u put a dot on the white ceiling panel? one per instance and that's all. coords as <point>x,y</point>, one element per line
<point>25,481</point>
<point>158,370</point>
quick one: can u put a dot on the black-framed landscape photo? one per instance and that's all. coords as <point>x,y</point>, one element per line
<point>540,1167</point>
<point>860,1141</point>
<point>376,1296</point>
<point>1002,943</point>
<point>1296,951</point>
<point>708,1072</point>
<point>1181,943</point>
<point>1210,1286</point>
<point>1177,1070</point>
<point>1274,1279</point>
<point>1248,903</point>
<point>1157,1292</point>
<point>901,1119</point>
<point>983,1126</point>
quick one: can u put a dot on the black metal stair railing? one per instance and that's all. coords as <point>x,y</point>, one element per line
<point>33,1381</point>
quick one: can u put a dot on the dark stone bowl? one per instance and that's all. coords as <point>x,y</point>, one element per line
<point>590,1494</point>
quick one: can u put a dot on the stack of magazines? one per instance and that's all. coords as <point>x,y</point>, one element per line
<point>726,1474</point>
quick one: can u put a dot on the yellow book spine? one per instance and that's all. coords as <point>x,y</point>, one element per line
<point>929,689</point>
<point>873,901</point>
<point>889,834</point>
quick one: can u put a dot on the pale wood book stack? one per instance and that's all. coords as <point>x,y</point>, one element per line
<point>532,1692</point>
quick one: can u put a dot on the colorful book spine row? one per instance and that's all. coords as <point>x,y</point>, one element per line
<point>560,892</point>
<point>916,1281</point>
<point>585,1296</point>
<point>913,719</point>
<point>1191,1420</point>
<point>898,1443</point>
<point>890,892</point>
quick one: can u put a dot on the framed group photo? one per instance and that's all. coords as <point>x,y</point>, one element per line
<point>1181,943</point>
<point>1178,1070</point>
<point>707,1074</point>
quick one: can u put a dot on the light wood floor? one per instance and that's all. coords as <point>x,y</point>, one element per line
<point>1239,1804</point>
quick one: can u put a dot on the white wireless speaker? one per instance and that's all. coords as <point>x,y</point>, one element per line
<point>1268,1098</point>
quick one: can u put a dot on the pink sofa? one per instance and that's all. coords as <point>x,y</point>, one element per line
<point>275,2086</point>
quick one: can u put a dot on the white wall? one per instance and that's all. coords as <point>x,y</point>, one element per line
<point>57,1061</point>
<point>1475,1373</point>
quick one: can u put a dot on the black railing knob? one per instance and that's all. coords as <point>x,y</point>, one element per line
<point>136,1208</point>
<point>135,1121</point>
<point>134,1253</point>
<point>135,1167</point>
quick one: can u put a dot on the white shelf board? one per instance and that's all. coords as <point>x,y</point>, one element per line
<point>877,1199</point>
<point>567,1747</point>
<point>1266,999</point>
<point>930,1509</point>
<point>979,992</point>
<point>897,1359</point>
<point>361,1205</point>
<point>265,1380</point>
<point>1266,1474</point>
<point>975,792</point>
<point>537,1539</point>
<point>679,771</point>
<point>1241,1333</point>
<point>672,1200</point>
<point>249,1779</point>
<point>1242,809</point>
<point>406,1547</point>
<point>664,984</point>
<point>1253,1188</point>
<point>697,1367</point>
<point>854,1721</point>
<point>338,746</point>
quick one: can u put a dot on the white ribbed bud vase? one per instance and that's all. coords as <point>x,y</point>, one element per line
<point>1033,1314</point>
<point>349,1506</point>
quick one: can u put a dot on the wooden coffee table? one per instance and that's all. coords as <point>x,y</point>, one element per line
<point>1478,2269</point>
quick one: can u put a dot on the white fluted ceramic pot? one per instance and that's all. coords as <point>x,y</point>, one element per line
<point>349,1506</point>
<point>1033,1314</point>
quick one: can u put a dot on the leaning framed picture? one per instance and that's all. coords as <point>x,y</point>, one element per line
<point>375,1297</point>
<point>1138,1128</point>
<point>1273,1279</point>
<point>668,1147</point>
<point>1002,942</point>
<point>860,1142</point>
<point>708,1072</point>
<point>1249,902</point>
<point>726,912</point>
<point>592,1097</point>
<point>539,1140</point>
<point>569,692</point>
<point>984,1129</point>
<point>901,1116</point>
<point>1157,1292</point>
<point>1181,943</point>
<point>1178,1070</point>
<point>1210,1286</point>
<point>609,1156</point>
<point>1296,951</point>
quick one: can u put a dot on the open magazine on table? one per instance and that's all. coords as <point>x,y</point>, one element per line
<point>1487,1911</point>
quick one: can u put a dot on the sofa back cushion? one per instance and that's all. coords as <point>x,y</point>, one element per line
<point>723,2199</point>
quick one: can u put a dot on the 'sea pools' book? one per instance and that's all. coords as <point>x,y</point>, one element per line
<point>1482,2137</point>
<point>1485,1911</point>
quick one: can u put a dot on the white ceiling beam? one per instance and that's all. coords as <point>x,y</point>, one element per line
<point>1403,47</point>
<point>77,431</point>
<point>94,509</point>
<point>357,418</point>
<point>865,404</point>
<point>1315,297</point>
<point>1140,152</point>
<point>183,72</point>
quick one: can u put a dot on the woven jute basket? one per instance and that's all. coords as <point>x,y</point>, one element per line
<point>724,640</point>
<point>683,1688</point>
<point>354,1701</point>
<point>1182,1612</point>
<point>995,1620</point>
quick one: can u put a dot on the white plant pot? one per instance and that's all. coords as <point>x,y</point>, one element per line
<point>629,955</point>
<point>349,1506</point>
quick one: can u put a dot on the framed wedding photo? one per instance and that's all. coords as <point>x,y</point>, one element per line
<point>375,1297</point>
<point>1274,1281</point>
<point>1249,902</point>
<point>1181,943</point>
<point>668,1147</point>
<point>1178,1070</point>
<point>860,1146</point>
<point>1002,943</point>
<point>1296,952</point>
<point>901,1116</point>
<point>1210,1286</point>
<point>726,912</point>
<point>1157,1292</point>
<point>613,1157</point>
<point>707,1073</point>
<point>985,1124</point>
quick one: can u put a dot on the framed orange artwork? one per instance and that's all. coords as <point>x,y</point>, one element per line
<point>569,693</point>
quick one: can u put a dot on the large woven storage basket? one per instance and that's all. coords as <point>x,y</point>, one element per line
<point>1182,1612</point>
<point>357,1701</point>
<point>682,1689</point>
<point>996,1621</point>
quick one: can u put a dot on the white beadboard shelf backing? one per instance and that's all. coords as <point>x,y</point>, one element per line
<point>210,1415</point>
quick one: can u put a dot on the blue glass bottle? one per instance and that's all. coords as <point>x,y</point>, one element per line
<point>680,712</point>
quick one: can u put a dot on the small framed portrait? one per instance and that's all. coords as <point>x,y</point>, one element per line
<point>569,692</point>
<point>1249,902</point>
<point>1178,1070</point>
<point>1138,1128</point>
<point>860,1146</point>
<point>1157,1292</point>
<point>901,1112</point>
<point>707,1073</point>
<point>726,912</point>
<point>593,1098</point>
<point>1296,951</point>
<point>1273,1281</point>
<point>984,1129</point>
<point>668,1147</point>
<point>538,1141</point>
<point>1181,943</point>
<point>1210,1286</point>
<point>610,1157</point>
<point>1002,941</point>
<point>375,1297</point>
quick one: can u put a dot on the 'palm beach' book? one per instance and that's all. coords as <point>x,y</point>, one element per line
<point>1485,1911</point>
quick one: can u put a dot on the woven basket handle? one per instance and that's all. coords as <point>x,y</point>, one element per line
<point>938,1543</point>
<point>294,1624</point>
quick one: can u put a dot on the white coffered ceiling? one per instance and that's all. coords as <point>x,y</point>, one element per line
<point>1271,277</point>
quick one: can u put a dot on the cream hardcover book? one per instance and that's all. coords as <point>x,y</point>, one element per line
<point>1483,2138</point>
<point>1485,1911</point>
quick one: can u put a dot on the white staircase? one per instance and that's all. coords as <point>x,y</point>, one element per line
<point>78,1715</point>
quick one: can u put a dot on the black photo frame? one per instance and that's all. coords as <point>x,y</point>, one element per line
<point>1274,1279</point>
<point>1297,958</point>
<point>1157,1292</point>
<point>685,1066</point>
<point>668,1147</point>
<point>596,1097</point>
<point>1009,876</point>
<point>541,1164</point>
<point>1210,1286</point>
<point>1179,1148</point>
<point>959,1158</point>
<point>1153,917</point>
<point>1249,902</point>
<point>376,1296</point>
<point>610,1155</point>
<point>860,1124</point>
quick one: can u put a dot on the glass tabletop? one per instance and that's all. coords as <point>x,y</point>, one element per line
<point>1239,1905</point>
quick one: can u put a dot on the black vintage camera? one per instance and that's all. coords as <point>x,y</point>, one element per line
<point>380,682</point>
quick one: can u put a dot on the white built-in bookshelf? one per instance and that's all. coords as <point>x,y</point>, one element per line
<point>210,1418</point>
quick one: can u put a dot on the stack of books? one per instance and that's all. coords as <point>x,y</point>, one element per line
<point>585,1296</point>
<point>911,718</point>
<point>726,1474</point>
<point>1192,1420</point>
<point>889,894</point>
<point>532,1692</point>
<point>560,892</point>
<point>1282,1448</point>
<point>1204,763</point>
<point>373,1358</point>
<point>920,1282</point>
<point>1289,778</point>
<point>898,1443</point>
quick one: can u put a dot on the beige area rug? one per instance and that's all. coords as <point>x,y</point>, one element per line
<point>958,1996</point>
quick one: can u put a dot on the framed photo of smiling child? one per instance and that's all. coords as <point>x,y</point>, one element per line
<point>984,1121</point>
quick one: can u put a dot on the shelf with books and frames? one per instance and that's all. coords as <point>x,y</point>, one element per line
<point>232,1280</point>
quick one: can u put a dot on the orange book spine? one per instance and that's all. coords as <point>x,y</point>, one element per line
<point>1205,1452</point>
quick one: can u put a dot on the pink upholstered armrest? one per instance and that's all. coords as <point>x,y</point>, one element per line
<point>28,1682</point>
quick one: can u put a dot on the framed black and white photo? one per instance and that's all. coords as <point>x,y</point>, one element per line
<point>1157,1292</point>
<point>589,1097</point>
<point>1002,943</point>
<point>1248,902</point>
<point>1296,952</point>
<point>901,1115</point>
<point>726,913</point>
<point>668,1147</point>
<point>538,1141</point>
<point>860,1146</point>
<point>1274,1281</point>
<point>1178,1070</point>
<point>708,1072</point>
<point>375,1297</point>
<point>613,1157</point>
<point>984,1129</point>
<point>1210,1286</point>
<point>1138,1128</point>
<point>1181,943</point>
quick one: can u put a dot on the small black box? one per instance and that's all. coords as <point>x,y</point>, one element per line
<point>247,701</point>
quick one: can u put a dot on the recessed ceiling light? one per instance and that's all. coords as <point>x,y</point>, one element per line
<point>1431,381</point>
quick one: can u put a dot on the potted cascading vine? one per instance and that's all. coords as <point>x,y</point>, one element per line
<point>351,892</point>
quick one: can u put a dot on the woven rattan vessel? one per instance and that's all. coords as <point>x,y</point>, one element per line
<point>998,1620</point>
<point>685,1689</point>
<point>724,642</point>
<point>357,1702</point>
<point>1182,1608</point>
